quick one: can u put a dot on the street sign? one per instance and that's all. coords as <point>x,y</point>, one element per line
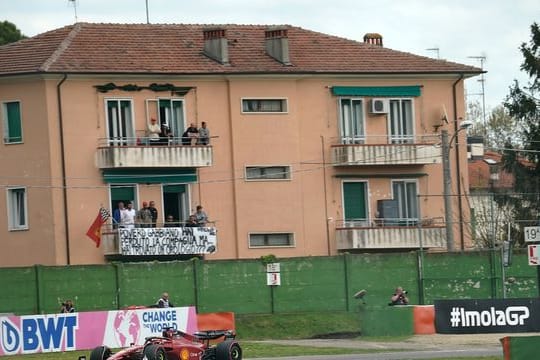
<point>533,255</point>
<point>532,233</point>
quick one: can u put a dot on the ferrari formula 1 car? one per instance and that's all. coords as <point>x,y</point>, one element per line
<point>175,344</point>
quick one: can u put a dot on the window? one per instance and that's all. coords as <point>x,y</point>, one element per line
<point>259,173</point>
<point>273,239</point>
<point>264,105</point>
<point>168,112</point>
<point>351,121</point>
<point>11,113</point>
<point>354,203</point>
<point>401,121</point>
<point>120,122</point>
<point>17,212</point>
<point>405,193</point>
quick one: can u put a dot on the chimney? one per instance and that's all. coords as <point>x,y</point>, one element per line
<point>215,45</point>
<point>277,44</point>
<point>373,39</point>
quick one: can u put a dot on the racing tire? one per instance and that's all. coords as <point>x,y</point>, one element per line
<point>154,352</point>
<point>100,353</point>
<point>228,350</point>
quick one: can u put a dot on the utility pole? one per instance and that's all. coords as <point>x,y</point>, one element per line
<point>447,191</point>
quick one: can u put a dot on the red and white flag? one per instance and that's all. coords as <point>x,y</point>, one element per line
<point>94,232</point>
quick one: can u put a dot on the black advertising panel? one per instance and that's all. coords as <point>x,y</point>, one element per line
<point>487,316</point>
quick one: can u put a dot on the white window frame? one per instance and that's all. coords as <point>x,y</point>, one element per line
<point>410,221</point>
<point>177,126</point>
<point>290,235</point>
<point>400,137</point>
<point>5,122</point>
<point>284,104</point>
<point>14,219</point>
<point>124,139</point>
<point>346,134</point>
<point>287,172</point>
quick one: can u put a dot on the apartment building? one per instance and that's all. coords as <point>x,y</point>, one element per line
<point>318,144</point>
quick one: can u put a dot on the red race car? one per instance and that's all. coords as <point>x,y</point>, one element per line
<point>177,345</point>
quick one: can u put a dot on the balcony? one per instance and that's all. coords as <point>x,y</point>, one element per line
<point>158,241</point>
<point>384,234</point>
<point>387,150</point>
<point>134,153</point>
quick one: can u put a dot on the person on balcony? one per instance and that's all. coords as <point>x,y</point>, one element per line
<point>192,222</point>
<point>153,210</point>
<point>190,134</point>
<point>128,216</point>
<point>200,216</point>
<point>170,222</point>
<point>204,135</point>
<point>153,131</point>
<point>165,134</point>
<point>144,216</point>
<point>117,214</point>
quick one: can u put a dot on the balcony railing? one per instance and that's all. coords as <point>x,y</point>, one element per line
<point>390,234</point>
<point>138,152</point>
<point>386,150</point>
<point>158,241</point>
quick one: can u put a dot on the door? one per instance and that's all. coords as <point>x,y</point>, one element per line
<point>351,121</point>
<point>354,204</point>
<point>120,122</point>
<point>405,192</point>
<point>401,122</point>
<point>175,202</point>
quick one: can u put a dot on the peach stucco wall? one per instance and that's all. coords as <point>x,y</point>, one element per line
<point>309,205</point>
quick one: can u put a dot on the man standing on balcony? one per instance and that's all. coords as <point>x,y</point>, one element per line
<point>117,214</point>
<point>153,132</point>
<point>144,216</point>
<point>128,216</point>
<point>154,212</point>
<point>204,135</point>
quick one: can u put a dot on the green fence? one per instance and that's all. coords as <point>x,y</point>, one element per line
<point>307,284</point>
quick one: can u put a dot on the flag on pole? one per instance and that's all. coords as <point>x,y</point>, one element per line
<point>94,232</point>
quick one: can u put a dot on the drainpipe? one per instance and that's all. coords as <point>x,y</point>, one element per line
<point>63,160</point>
<point>458,165</point>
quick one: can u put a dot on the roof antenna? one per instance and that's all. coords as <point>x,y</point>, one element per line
<point>74,2</point>
<point>147,18</point>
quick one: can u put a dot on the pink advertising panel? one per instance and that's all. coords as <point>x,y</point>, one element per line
<point>86,330</point>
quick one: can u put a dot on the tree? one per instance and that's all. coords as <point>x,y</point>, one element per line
<point>523,104</point>
<point>9,33</point>
<point>499,129</point>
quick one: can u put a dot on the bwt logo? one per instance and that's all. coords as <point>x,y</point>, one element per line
<point>38,333</point>
<point>512,316</point>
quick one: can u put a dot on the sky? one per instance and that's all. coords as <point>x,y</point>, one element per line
<point>462,31</point>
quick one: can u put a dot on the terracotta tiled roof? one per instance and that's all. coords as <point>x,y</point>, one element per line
<point>178,49</point>
<point>479,172</point>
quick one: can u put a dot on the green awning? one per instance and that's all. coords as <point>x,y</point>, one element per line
<point>150,176</point>
<point>409,91</point>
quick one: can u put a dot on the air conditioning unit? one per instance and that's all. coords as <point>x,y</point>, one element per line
<point>379,106</point>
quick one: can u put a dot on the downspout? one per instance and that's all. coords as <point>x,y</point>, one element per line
<point>458,165</point>
<point>63,160</point>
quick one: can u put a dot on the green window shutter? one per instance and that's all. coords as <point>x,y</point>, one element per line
<point>150,176</point>
<point>122,193</point>
<point>174,189</point>
<point>354,200</point>
<point>14,123</point>
<point>393,91</point>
